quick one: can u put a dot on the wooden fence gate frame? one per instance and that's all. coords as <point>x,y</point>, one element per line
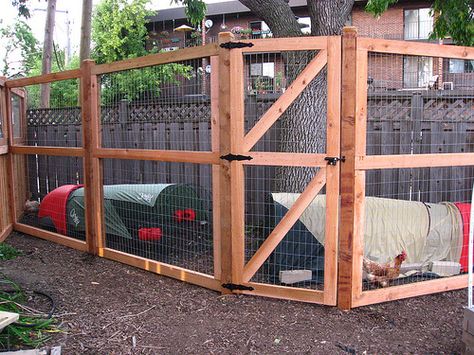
<point>235,141</point>
<point>346,59</point>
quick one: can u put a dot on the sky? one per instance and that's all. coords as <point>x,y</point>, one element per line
<point>68,20</point>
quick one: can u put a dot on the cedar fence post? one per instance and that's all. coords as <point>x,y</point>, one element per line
<point>353,131</point>
<point>93,182</point>
<point>225,187</point>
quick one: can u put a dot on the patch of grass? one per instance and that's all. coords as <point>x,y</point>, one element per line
<point>33,328</point>
<point>7,252</point>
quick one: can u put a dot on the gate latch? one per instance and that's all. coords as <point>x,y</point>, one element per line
<point>334,160</point>
<point>238,157</point>
<point>234,287</point>
<point>232,45</point>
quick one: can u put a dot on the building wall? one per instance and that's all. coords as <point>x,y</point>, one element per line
<point>386,72</point>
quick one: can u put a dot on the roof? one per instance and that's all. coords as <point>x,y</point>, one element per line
<point>220,8</point>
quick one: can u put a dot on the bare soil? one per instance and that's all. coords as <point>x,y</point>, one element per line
<point>105,307</point>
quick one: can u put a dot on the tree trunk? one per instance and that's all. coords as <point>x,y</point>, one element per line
<point>47,51</point>
<point>85,50</point>
<point>303,126</point>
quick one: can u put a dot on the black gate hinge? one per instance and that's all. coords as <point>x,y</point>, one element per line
<point>334,160</point>
<point>234,287</point>
<point>232,157</point>
<point>232,45</point>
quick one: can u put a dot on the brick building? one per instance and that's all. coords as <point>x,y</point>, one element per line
<point>407,20</point>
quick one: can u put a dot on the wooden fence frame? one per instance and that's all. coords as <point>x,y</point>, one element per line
<point>354,129</point>
<point>347,59</point>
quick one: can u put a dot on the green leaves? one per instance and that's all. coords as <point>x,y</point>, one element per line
<point>454,18</point>
<point>8,252</point>
<point>378,7</point>
<point>195,10</point>
<point>31,330</point>
<point>20,37</point>
<point>118,30</point>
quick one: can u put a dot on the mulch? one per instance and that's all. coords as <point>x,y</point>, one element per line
<point>104,307</point>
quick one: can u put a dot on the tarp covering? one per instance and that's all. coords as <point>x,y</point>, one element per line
<point>427,232</point>
<point>127,208</point>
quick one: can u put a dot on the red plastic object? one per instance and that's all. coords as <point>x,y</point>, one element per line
<point>465,209</point>
<point>149,234</point>
<point>184,215</point>
<point>54,206</point>
<point>189,214</point>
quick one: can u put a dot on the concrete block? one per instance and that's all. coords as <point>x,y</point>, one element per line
<point>294,276</point>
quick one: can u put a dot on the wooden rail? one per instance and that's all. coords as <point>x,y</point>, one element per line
<point>157,59</point>
<point>414,48</point>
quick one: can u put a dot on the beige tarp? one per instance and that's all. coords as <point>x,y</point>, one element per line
<point>427,232</point>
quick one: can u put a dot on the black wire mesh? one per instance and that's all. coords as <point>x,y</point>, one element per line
<point>159,107</point>
<point>302,127</point>
<point>51,120</point>
<point>417,105</point>
<point>298,260</point>
<point>160,211</point>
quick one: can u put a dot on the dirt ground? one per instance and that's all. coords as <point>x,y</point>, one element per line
<point>105,307</point>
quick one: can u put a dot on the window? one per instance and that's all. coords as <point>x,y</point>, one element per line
<point>262,76</point>
<point>457,66</point>
<point>305,24</point>
<point>418,23</point>
<point>417,72</point>
<point>260,29</point>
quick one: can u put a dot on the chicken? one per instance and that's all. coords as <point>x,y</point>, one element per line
<point>31,207</point>
<point>381,274</point>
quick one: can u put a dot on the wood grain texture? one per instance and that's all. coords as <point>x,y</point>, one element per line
<point>285,44</point>
<point>180,156</point>
<point>415,48</point>
<point>52,151</point>
<point>42,79</point>
<point>158,58</point>
<point>52,237</point>
<point>333,149</point>
<point>156,267</point>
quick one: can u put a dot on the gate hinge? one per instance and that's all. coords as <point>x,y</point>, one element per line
<point>232,45</point>
<point>334,160</point>
<point>234,287</point>
<point>232,157</point>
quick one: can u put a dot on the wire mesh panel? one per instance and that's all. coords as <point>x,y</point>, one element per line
<point>159,107</point>
<point>53,115</point>
<point>160,211</point>
<point>47,187</point>
<point>302,125</point>
<point>298,259</point>
<point>419,105</point>
<point>419,226</point>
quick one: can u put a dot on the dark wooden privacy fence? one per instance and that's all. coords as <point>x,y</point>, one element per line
<point>420,123</point>
<point>398,123</point>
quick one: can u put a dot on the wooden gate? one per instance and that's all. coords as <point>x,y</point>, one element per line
<point>242,262</point>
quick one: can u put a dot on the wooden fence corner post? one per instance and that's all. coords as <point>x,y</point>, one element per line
<point>92,166</point>
<point>350,185</point>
